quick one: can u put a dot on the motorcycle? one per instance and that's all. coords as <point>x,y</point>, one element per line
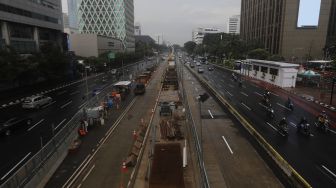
<point>283,128</point>
<point>266,100</point>
<point>240,84</point>
<point>304,128</point>
<point>290,105</point>
<point>270,113</point>
<point>323,126</point>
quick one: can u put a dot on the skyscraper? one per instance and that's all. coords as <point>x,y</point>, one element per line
<point>234,25</point>
<point>199,33</point>
<point>282,26</point>
<point>111,18</point>
<point>137,29</point>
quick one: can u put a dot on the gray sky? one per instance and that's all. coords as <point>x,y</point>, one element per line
<point>175,19</point>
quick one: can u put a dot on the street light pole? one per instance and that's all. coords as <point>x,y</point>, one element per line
<point>86,79</point>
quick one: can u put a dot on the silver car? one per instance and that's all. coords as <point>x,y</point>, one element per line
<point>36,101</point>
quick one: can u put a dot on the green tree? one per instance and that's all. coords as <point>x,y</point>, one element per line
<point>10,66</point>
<point>258,53</point>
<point>190,46</point>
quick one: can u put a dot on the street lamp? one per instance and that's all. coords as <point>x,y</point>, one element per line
<point>86,82</point>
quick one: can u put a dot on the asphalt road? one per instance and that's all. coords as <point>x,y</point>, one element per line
<point>24,143</point>
<point>313,157</point>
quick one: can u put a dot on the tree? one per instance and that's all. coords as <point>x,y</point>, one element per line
<point>258,53</point>
<point>190,46</point>
<point>10,66</point>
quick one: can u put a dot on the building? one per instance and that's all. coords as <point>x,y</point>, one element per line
<point>111,18</point>
<point>199,33</point>
<point>276,73</point>
<point>87,45</point>
<point>233,26</point>
<point>280,27</point>
<point>26,25</point>
<point>137,29</point>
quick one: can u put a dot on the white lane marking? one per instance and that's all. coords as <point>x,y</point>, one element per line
<point>60,124</point>
<point>62,92</point>
<point>262,105</point>
<point>284,107</point>
<point>275,94</point>
<point>66,104</point>
<point>244,94</point>
<point>258,94</point>
<point>325,168</point>
<point>229,93</point>
<point>86,158</point>
<point>210,114</point>
<point>231,85</point>
<point>35,125</point>
<point>88,173</point>
<point>73,93</point>
<point>81,105</point>
<point>246,106</point>
<point>53,102</point>
<point>3,177</point>
<point>332,131</point>
<point>293,124</point>
<point>227,144</point>
<point>223,81</point>
<point>272,126</point>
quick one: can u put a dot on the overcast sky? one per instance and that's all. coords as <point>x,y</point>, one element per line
<point>175,19</point>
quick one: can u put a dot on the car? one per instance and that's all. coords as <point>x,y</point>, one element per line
<point>210,68</point>
<point>7,126</point>
<point>207,63</point>
<point>200,70</point>
<point>198,64</point>
<point>36,101</point>
<point>139,88</point>
<point>165,109</point>
<point>192,65</point>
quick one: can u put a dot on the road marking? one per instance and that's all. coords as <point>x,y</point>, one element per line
<point>210,114</point>
<point>229,93</point>
<point>88,173</point>
<point>66,104</point>
<point>258,94</point>
<point>60,124</point>
<point>231,85</point>
<point>325,168</point>
<point>81,105</point>
<point>3,177</point>
<point>246,106</point>
<point>223,81</point>
<point>227,144</point>
<point>262,105</point>
<point>284,107</point>
<point>73,93</point>
<point>272,126</point>
<point>67,182</point>
<point>275,94</point>
<point>53,102</point>
<point>62,92</point>
<point>244,94</point>
<point>293,124</point>
<point>35,125</point>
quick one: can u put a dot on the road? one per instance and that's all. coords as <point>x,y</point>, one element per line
<point>23,144</point>
<point>313,157</point>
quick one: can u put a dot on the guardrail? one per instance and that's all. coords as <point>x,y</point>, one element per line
<point>197,143</point>
<point>58,144</point>
<point>295,178</point>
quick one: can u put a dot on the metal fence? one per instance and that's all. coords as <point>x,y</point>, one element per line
<point>55,148</point>
<point>193,130</point>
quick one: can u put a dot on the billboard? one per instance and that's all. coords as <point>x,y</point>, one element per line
<point>309,13</point>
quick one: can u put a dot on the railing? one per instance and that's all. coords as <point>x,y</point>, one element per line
<point>192,127</point>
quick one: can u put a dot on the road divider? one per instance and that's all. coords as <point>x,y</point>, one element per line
<point>295,179</point>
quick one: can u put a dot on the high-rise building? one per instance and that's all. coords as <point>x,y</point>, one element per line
<point>137,29</point>
<point>283,28</point>
<point>111,18</point>
<point>72,16</point>
<point>233,26</point>
<point>26,25</point>
<point>199,33</point>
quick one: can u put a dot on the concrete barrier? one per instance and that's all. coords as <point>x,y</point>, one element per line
<point>295,178</point>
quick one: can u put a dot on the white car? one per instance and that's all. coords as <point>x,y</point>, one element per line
<point>198,64</point>
<point>36,101</point>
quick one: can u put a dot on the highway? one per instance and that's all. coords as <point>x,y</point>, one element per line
<point>313,157</point>
<point>21,145</point>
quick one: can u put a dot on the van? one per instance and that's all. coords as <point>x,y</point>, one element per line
<point>139,89</point>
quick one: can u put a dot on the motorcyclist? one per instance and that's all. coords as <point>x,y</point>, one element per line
<point>322,117</point>
<point>283,122</point>
<point>303,121</point>
<point>240,83</point>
